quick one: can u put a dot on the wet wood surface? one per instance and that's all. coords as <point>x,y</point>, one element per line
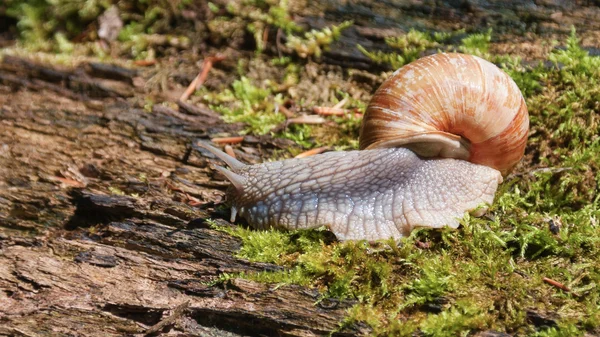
<point>75,258</point>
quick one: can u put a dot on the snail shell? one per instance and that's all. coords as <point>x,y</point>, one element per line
<point>460,109</point>
<point>450,106</point>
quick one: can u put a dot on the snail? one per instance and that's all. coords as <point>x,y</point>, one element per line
<point>435,142</point>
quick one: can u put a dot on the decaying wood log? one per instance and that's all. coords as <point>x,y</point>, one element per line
<point>103,223</point>
<point>30,73</point>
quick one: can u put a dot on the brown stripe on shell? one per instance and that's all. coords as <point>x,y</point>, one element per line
<point>450,93</point>
<point>507,147</point>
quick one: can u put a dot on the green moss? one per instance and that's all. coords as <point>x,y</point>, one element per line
<point>563,330</point>
<point>410,47</point>
<point>272,246</point>
<point>255,17</point>
<point>301,134</point>
<point>265,12</point>
<point>115,190</point>
<point>433,282</point>
<point>51,25</point>
<point>31,15</point>
<point>315,41</point>
<point>63,44</point>
<point>476,44</point>
<point>247,103</point>
<point>459,320</point>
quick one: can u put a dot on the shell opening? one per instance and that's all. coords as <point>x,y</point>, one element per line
<point>433,144</point>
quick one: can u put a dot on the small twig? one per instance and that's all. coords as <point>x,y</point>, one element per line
<point>326,111</point>
<point>228,140</point>
<point>307,119</point>
<point>199,80</point>
<point>229,150</point>
<point>177,312</point>
<point>285,111</point>
<point>68,181</point>
<point>531,173</point>
<point>335,110</point>
<point>341,103</point>
<point>313,152</point>
<point>192,201</point>
<point>556,284</point>
<point>206,67</point>
<point>550,169</point>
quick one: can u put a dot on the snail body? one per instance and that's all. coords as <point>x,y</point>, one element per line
<point>442,160</point>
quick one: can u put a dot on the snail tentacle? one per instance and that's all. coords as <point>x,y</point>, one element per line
<point>233,163</point>
<point>237,180</point>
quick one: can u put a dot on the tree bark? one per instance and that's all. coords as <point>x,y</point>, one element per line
<point>77,260</point>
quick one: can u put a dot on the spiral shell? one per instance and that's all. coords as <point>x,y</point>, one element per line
<point>452,106</point>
